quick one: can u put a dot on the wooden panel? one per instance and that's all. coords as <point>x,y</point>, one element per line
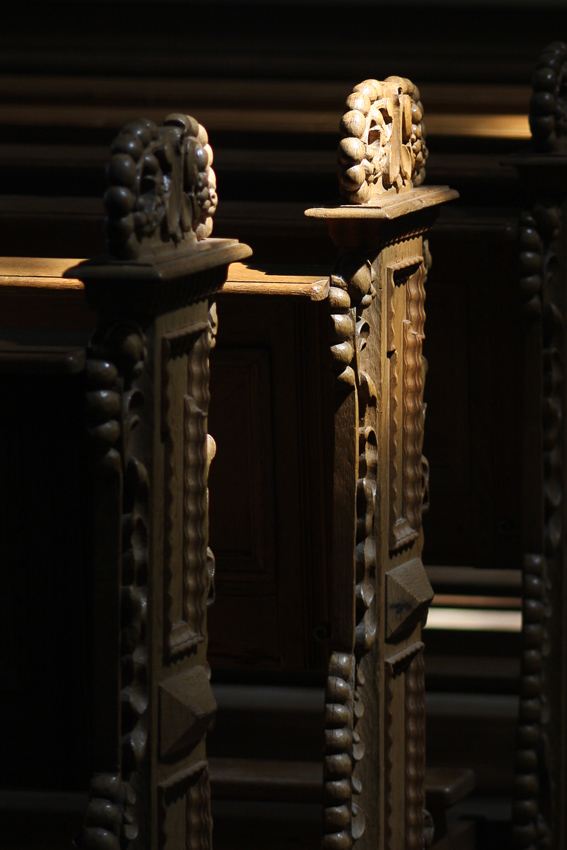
<point>267,483</point>
<point>43,615</point>
<point>183,430</point>
<point>242,514</point>
<point>473,347</point>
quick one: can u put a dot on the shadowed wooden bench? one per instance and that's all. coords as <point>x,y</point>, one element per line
<point>105,505</point>
<point>265,224</point>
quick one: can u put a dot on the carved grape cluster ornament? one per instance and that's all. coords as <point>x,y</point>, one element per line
<point>383,147</point>
<point>162,189</point>
<point>548,104</point>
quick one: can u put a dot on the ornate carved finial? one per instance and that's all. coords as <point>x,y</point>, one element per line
<point>383,147</point>
<point>548,104</point>
<point>162,189</point>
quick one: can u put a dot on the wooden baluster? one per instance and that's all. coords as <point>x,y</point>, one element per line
<point>147,401</point>
<point>379,593</point>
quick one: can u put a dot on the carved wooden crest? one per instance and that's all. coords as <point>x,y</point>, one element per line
<point>162,189</point>
<point>383,149</point>
<point>548,104</point>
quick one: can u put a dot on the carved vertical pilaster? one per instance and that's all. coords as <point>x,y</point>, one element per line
<point>152,569</point>
<point>114,401</point>
<point>541,766</point>
<point>379,592</point>
<point>539,739</point>
<point>352,291</point>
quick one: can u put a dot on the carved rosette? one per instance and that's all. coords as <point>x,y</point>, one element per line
<point>548,104</point>
<point>162,189</point>
<point>115,362</point>
<point>383,149</point>
<point>536,774</point>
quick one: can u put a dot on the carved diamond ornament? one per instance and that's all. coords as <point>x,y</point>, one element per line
<point>187,710</point>
<point>408,595</point>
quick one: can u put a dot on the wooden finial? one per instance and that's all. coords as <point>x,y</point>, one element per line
<point>383,148</point>
<point>162,190</point>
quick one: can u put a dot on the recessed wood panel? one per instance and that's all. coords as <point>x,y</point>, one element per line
<point>241,477</point>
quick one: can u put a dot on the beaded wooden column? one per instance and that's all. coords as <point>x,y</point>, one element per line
<point>540,785</point>
<point>379,592</point>
<point>147,399</point>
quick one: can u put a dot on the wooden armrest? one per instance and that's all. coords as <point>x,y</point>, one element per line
<point>246,280</point>
<point>37,273</point>
<point>238,778</point>
<point>47,273</point>
<point>41,359</point>
<point>445,786</point>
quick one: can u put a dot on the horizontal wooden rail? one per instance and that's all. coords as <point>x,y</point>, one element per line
<point>46,273</point>
<point>259,779</point>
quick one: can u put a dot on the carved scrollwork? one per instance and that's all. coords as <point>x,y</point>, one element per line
<point>383,149</point>
<point>115,361</point>
<point>162,189</point>
<point>352,291</point>
<point>548,104</point>
<point>365,634</point>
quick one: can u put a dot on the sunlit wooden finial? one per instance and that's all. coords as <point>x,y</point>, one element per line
<point>383,147</point>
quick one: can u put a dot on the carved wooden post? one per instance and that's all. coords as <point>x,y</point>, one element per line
<point>541,747</point>
<point>375,748</point>
<point>147,400</point>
